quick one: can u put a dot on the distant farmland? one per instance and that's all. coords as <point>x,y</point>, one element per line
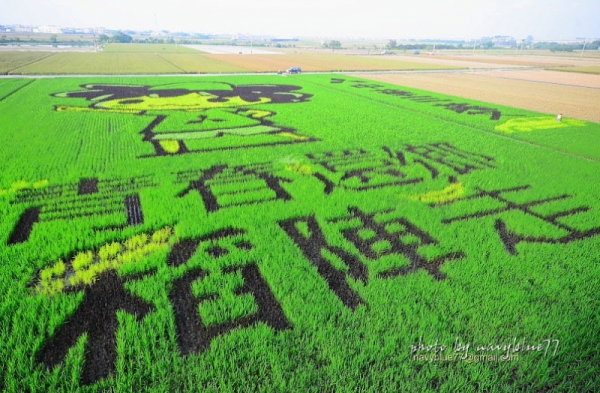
<point>573,95</point>
<point>306,233</point>
<point>10,61</point>
<point>160,59</point>
<point>149,48</point>
<point>322,62</point>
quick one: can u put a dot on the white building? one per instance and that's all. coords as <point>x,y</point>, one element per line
<point>48,30</point>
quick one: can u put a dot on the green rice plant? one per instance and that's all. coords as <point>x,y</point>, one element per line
<point>22,185</point>
<point>368,220</point>
<point>297,167</point>
<point>82,260</point>
<point>88,265</point>
<point>136,241</point>
<point>109,251</point>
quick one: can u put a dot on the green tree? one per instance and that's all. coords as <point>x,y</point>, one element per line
<point>333,44</point>
<point>122,38</point>
<point>392,44</point>
<point>529,41</point>
<point>53,38</point>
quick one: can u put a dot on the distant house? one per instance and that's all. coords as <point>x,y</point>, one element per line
<point>48,30</point>
<point>22,29</point>
<point>284,39</point>
<point>500,41</point>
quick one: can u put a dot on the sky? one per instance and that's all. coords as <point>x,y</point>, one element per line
<point>543,19</point>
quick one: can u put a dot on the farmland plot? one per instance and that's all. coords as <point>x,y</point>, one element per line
<point>322,62</point>
<point>99,63</point>
<point>575,96</point>
<point>201,64</point>
<point>308,233</point>
<point>149,48</point>
<point>13,60</point>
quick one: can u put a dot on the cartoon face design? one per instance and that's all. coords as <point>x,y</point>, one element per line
<point>196,101</point>
<point>197,116</point>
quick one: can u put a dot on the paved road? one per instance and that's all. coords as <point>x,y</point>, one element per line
<point>470,70</point>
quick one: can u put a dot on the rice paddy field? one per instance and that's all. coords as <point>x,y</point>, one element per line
<point>306,233</point>
<point>12,60</point>
<point>99,63</point>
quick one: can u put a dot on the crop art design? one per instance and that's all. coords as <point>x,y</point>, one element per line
<point>507,203</point>
<point>234,285</point>
<point>374,236</point>
<point>89,197</point>
<point>435,165</point>
<point>197,117</point>
<point>537,124</point>
<point>222,186</point>
<point>198,296</point>
<point>361,170</point>
<point>456,107</point>
<point>242,233</point>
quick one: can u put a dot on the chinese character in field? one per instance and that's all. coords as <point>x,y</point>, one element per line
<point>541,213</point>
<point>470,109</point>
<point>96,316</point>
<point>446,155</point>
<point>197,116</point>
<point>377,235</point>
<point>458,108</point>
<point>307,234</point>
<point>201,298</point>
<point>362,170</point>
<point>374,236</point>
<point>222,186</point>
<point>213,290</point>
<point>196,331</point>
<point>89,197</point>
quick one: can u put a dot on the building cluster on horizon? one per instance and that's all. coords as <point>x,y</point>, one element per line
<point>502,41</point>
<point>50,29</point>
<point>498,41</point>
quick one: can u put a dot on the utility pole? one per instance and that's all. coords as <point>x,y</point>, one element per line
<point>584,42</point>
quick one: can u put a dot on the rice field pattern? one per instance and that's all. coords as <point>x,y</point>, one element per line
<point>241,233</point>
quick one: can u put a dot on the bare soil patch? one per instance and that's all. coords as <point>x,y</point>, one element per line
<point>557,77</point>
<point>446,61</point>
<point>478,60</point>
<point>543,96</point>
